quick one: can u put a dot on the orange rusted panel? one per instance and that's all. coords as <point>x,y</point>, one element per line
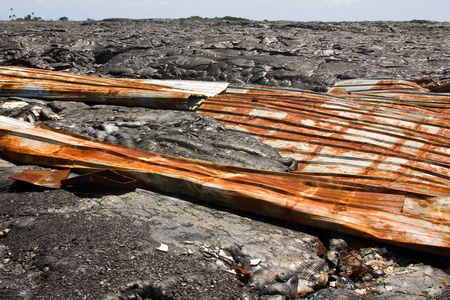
<point>373,154</point>
<point>377,84</point>
<point>287,196</point>
<point>377,144</point>
<point>424,93</point>
<point>45,178</point>
<point>51,85</point>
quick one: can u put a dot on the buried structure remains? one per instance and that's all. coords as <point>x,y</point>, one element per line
<point>368,158</point>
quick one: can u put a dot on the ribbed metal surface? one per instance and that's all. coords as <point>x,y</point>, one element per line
<point>378,144</point>
<point>50,85</point>
<point>286,196</point>
<point>204,88</point>
<point>373,154</point>
<point>376,84</point>
<point>406,93</point>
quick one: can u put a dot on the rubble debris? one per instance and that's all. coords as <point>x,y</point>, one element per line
<point>275,281</point>
<point>254,262</point>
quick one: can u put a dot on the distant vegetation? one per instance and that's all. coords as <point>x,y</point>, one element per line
<point>30,17</point>
<point>218,18</point>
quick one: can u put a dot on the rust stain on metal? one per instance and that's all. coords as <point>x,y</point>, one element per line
<point>321,252</point>
<point>44,178</point>
<point>425,93</point>
<point>244,275</point>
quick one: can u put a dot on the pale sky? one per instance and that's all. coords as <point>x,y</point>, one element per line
<point>294,10</point>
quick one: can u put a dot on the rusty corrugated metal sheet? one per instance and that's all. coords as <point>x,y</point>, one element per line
<point>207,89</point>
<point>376,84</point>
<point>373,159</point>
<point>289,196</point>
<point>51,85</point>
<point>408,93</point>
<point>345,139</point>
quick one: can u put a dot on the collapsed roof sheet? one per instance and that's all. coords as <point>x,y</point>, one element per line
<point>288,196</point>
<point>51,85</point>
<point>377,144</point>
<point>372,85</point>
<point>373,161</point>
<point>407,93</point>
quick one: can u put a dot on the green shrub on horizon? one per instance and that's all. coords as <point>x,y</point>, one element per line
<point>29,17</point>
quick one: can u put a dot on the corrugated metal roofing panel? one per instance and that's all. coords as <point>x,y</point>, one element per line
<point>359,153</point>
<point>50,85</point>
<point>287,196</point>
<point>205,88</point>
<point>389,84</point>
<point>407,93</point>
<point>345,139</point>
<point>376,84</point>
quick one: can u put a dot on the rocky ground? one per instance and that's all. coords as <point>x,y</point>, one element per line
<point>102,243</point>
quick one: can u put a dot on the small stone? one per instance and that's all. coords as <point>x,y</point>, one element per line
<point>163,248</point>
<point>338,245</point>
<point>361,291</point>
<point>367,278</point>
<point>378,273</point>
<point>343,283</point>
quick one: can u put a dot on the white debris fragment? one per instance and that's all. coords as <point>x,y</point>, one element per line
<point>224,255</point>
<point>30,119</point>
<point>255,262</point>
<point>36,110</point>
<point>163,248</point>
<point>231,271</point>
<point>4,232</point>
<point>361,291</point>
<point>14,104</point>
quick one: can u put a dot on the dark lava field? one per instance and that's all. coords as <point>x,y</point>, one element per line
<point>101,243</point>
